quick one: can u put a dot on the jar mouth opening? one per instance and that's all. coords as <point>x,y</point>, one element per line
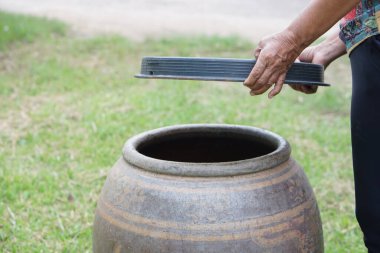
<point>199,146</point>
<point>206,150</point>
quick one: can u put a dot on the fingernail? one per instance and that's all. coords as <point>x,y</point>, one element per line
<point>252,93</point>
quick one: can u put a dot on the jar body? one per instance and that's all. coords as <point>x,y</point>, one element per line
<point>271,210</point>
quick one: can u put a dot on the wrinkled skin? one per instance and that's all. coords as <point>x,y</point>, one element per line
<point>322,54</point>
<point>275,54</point>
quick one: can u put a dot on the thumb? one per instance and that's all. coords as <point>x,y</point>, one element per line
<point>307,55</point>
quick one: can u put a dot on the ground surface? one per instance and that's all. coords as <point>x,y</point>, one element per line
<point>145,18</point>
<point>68,103</point>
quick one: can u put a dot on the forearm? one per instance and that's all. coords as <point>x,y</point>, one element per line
<point>317,18</point>
<point>331,48</point>
<point>334,42</point>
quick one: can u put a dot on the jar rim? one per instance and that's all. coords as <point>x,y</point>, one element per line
<point>204,169</point>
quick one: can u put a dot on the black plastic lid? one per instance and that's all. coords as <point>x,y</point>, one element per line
<point>222,69</point>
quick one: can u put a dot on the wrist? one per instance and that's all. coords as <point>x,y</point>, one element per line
<point>292,41</point>
<point>329,50</point>
<point>317,18</point>
<point>299,36</point>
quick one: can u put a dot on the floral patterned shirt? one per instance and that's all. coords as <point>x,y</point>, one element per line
<point>361,23</point>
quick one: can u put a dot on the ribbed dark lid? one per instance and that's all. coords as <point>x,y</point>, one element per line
<point>222,69</point>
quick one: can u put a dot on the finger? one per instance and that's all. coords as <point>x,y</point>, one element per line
<point>274,78</point>
<point>309,89</point>
<point>267,79</point>
<point>307,55</point>
<point>267,84</point>
<point>296,87</point>
<point>271,74</point>
<point>264,81</point>
<point>305,88</point>
<point>260,91</point>
<point>277,87</point>
<point>255,74</point>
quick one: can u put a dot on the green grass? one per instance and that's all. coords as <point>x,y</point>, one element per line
<point>68,104</point>
<point>21,29</point>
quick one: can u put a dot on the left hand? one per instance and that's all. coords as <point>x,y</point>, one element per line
<point>275,55</point>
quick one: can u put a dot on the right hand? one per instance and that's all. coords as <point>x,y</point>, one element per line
<point>322,54</point>
<point>308,55</point>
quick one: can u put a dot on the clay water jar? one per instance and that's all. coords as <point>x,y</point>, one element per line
<point>207,188</point>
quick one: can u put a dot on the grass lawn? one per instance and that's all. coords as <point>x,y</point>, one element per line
<point>68,103</point>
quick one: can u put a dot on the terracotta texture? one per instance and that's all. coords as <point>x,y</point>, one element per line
<point>207,188</point>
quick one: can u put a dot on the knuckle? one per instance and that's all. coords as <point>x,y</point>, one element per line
<point>273,79</point>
